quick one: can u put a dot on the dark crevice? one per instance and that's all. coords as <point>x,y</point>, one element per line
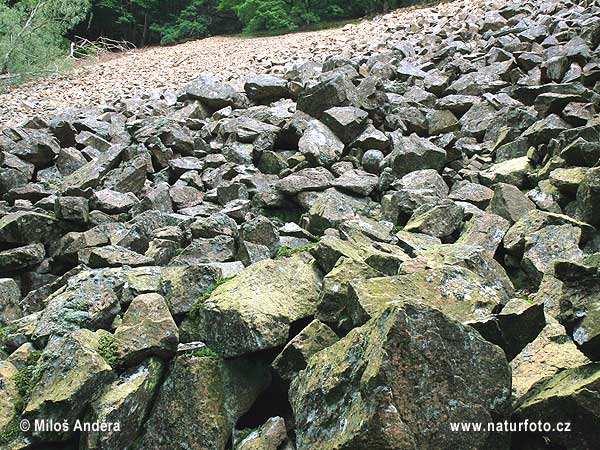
<point>271,403</point>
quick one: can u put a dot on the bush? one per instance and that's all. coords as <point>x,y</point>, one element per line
<point>31,33</point>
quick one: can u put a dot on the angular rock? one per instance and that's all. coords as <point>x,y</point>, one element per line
<point>147,330</point>
<point>212,93</point>
<point>68,376</point>
<point>346,122</point>
<point>509,202</point>
<point>254,310</point>
<point>549,353</point>
<point>266,87</point>
<point>182,286</point>
<point>377,371</point>
<point>21,257</point>
<point>320,145</point>
<point>270,436</point>
<point>332,208</point>
<point>117,256</point>
<point>485,230</point>
<point>588,197</point>
<point>312,179</point>
<point>296,354</point>
<point>568,397</point>
<point>204,416</point>
<point>441,220</point>
<point>126,401</point>
<point>579,304</point>
<point>548,245</point>
<point>415,153</point>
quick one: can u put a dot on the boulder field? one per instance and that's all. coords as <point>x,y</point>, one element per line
<point>354,254</point>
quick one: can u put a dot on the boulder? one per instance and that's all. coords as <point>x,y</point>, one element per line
<point>126,402</point>
<point>213,93</point>
<point>182,286</point>
<point>200,401</point>
<point>588,197</point>
<point>509,202</point>
<point>296,354</point>
<point>116,256</point>
<point>320,145</point>
<point>254,310</point>
<point>548,245</point>
<point>21,257</point>
<point>551,352</point>
<point>567,397</point>
<point>71,373</point>
<point>147,329</point>
<point>335,90</point>
<point>415,153</point>
<point>514,327</point>
<point>347,122</point>
<point>266,87</point>
<point>579,304</point>
<point>486,231</point>
<point>333,207</point>
<point>270,436</point>
<point>10,296</point>
<point>360,392</point>
<point>440,220</point>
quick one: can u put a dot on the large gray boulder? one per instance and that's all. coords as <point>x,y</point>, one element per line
<point>360,392</point>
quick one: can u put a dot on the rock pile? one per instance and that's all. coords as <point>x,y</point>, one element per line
<point>355,255</point>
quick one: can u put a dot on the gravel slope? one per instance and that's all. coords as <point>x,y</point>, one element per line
<point>159,68</point>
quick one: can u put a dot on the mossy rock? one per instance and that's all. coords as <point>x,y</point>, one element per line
<point>200,401</point>
<point>254,310</point>
<point>398,381</point>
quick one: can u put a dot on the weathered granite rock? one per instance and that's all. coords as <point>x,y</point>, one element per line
<point>378,370</point>
<point>202,417</point>
<point>147,329</point>
<point>549,353</point>
<point>509,202</point>
<point>296,354</point>
<point>69,375</point>
<point>126,402</point>
<point>254,310</point>
<point>569,396</point>
<point>320,145</point>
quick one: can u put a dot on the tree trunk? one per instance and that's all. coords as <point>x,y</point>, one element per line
<point>145,32</point>
<point>34,11</point>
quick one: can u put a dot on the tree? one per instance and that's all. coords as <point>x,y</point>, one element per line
<point>31,31</point>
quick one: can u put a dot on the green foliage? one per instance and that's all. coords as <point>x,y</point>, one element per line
<point>289,15</point>
<point>205,353</point>
<point>286,251</point>
<point>32,33</point>
<point>191,23</point>
<point>9,433</point>
<point>26,379</point>
<point>107,348</point>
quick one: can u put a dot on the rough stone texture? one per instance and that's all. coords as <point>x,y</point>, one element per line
<point>378,370</point>
<point>147,330</point>
<point>579,304</point>
<point>254,310</point>
<point>551,352</point>
<point>296,354</point>
<point>269,436</point>
<point>509,202</point>
<point>569,396</point>
<point>71,373</point>
<point>126,401</point>
<point>200,401</point>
